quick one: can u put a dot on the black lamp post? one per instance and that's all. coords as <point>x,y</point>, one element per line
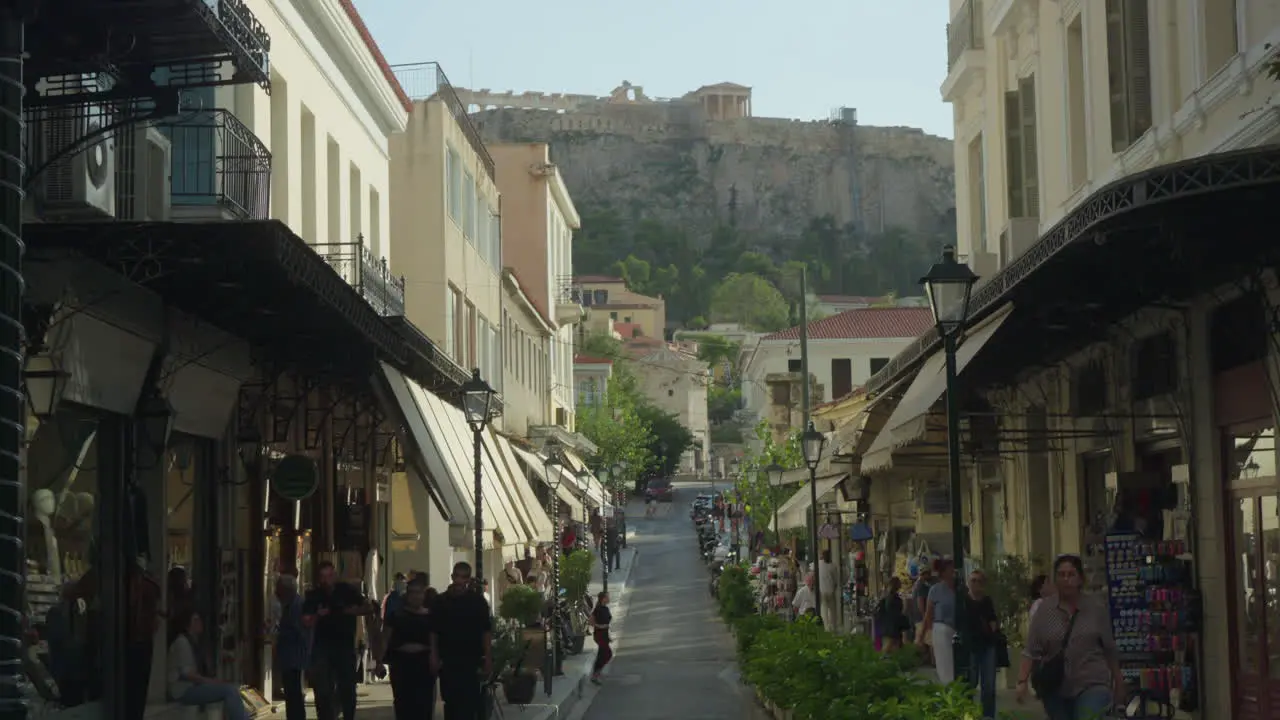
<point>774,471</point>
<point>811,443</point>
<point>46,381</point>
<point>477,399</point>
<point>949,285</point>
<point>551,470</point>
<point>620,485</point>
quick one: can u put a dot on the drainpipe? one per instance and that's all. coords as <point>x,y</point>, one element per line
<point>12,399</point>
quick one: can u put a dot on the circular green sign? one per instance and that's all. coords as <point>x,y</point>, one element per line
<point>295,477</point>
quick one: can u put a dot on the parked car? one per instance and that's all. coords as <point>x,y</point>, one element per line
<point>660,490</point>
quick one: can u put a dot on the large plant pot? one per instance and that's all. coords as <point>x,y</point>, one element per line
<point>535,647</point>
<point>520,688</point>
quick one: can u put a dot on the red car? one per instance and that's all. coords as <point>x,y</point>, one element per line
<point>660,490</point>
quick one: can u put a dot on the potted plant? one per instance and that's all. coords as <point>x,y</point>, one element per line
<point>1009,585</point>
<point>575,577</point>
<point>519,681</point>
<point>522,606</point>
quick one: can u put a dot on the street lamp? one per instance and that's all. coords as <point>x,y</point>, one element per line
<point>774,471</point>
<point>949,285</point>
<point>811,443</point>
<point>620,480</point>
<point>551,468</point>
<point>46,381</point>
<point>477,399</point>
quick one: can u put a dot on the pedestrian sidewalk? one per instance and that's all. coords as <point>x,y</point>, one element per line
<point>374,701</point>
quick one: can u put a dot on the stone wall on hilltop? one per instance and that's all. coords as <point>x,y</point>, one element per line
<point>665,160</point>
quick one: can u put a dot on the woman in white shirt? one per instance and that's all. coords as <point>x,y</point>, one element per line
<point>803,601</point>
<point>188,681</point>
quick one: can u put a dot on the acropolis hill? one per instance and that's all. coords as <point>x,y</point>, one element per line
<point>695,160</point>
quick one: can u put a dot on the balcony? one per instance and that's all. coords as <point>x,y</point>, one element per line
<point>220,169</point>
<point>426,81</point>
<point>178,44</point>
<point>367,273</point>
<point>569,305</point>
<point>966,60</point>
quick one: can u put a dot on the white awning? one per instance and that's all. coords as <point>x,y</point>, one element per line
<point>590,487</point>
<point>794,512</point>
<point>542,530</point>
<point>447,446</point>
<point>404,519</point>
<point>535,463</point>
<point>909,420</point>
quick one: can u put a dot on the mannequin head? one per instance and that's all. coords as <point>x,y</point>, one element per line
<point>43,503</point>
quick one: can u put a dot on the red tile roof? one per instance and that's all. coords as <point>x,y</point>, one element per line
<point>862,323</point>
<point>589,360</point>
<point>861,299</point>
<point>378,57</point>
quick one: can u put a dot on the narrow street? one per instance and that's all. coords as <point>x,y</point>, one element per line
<point>674,657</point>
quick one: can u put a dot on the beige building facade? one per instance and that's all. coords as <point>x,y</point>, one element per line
<point>527,336</point>
<point>447,237</point>
<point>1119,366</point>
<point>539,219</point>
<point>610,297</point>
<point>676,382</point>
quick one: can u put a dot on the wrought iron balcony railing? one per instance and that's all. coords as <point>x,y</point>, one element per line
<point>423,81</point>
<point>221,170</point>
<point>964,32</point>
<point>368,273</point>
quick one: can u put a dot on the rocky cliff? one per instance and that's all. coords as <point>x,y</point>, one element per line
<point>665,161</point>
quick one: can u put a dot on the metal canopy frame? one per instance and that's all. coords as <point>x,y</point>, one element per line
<point>1148,239</point>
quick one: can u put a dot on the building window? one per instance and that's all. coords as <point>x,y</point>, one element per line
<point>781,394</point>
<point>459,327</point>
<point>793,365</point>
<point>450,322</point>
<point>977,194</point>
<point>1020,140</point>
<point>471,335</point>
<point>1128,71</point>
<point>495,358</point>
<point>613,316</point>
<point>469,206</point>
<point>375,224</point>
<point>877,364</point>
<point>1077,135</point>
<point>1154,366</point>
<point>601,297</point>
<point>453,176</point>
<point>1221,33</point>
<point>841,377</point>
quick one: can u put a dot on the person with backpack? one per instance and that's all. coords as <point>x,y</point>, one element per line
<point>891,617</point>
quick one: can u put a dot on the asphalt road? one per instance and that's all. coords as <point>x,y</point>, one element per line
<point>675,658</point>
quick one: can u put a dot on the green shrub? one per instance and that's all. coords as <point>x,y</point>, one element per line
<point>736,598</point>
<point>575,573</point>
<point>522,604</point>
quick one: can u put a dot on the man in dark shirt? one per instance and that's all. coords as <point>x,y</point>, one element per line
<point>461,639</point>
<point>293,647</point>
<point>331,610</point>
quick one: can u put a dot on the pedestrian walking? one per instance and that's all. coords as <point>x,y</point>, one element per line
<point>461,645</point>
<point>331,610</point>
<point>407,640</point>
<point>891,617</point>
<point>984,637</point>
<point>601,618</point>
<point>293,647</point>
<point>940,621</point>
<point>391,603</point>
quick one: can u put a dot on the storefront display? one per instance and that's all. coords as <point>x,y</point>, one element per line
<point>1155,618</point>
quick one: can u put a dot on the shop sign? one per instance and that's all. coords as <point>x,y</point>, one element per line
<point>295,477</point>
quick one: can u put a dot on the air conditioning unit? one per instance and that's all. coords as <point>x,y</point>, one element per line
<point>1017,237</point>
<point>143,175</point>
<point>79,184</point>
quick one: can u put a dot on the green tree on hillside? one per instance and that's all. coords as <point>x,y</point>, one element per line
<point>749,300</point>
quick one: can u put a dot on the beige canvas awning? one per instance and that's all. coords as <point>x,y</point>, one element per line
<point>404,519</point>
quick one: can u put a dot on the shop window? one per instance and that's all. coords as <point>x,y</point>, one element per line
<point>1090,389</point>
<point>1237,334</point>
<point>877,364</point>
<point>63,480</point>
<point>1154,363</point>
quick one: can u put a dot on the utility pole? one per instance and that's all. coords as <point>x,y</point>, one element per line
<point>806,405</point>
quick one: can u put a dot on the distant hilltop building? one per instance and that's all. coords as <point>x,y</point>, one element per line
<point>722,101</point>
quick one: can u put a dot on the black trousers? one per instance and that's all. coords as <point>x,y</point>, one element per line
<point>333,677</point>
<point>460,689</point>
<point>413,687</point>
<point>295,700</point>
<point>137,673</point>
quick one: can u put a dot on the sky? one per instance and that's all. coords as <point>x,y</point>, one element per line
<point>802,58</point>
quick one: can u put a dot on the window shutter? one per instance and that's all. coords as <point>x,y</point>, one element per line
<point>1013,152</point>
<point>1117,79</point>
<point>1137,28</point>
<point>1030,161</point>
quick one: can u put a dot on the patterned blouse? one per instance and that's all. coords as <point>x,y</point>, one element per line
<point>1092,650</point>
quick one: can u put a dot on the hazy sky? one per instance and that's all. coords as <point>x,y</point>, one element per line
<point>802,58</point>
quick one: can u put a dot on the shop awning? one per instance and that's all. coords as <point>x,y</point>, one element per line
<point>404,519</point>
<point>538,527</point>
<point>794,512</point>
<point>590,487</point>
<point>445,441</point>
<point>543,530</point>
<point>534,464</point>
<point>909,420</point>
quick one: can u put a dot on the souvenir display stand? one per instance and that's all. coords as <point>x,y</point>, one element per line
<point>777,584</point>
<point>1155,617</point>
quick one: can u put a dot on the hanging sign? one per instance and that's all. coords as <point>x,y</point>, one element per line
<point>295,477</point>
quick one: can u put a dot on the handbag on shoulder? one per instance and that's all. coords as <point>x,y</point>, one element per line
<point>1049,674</point>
